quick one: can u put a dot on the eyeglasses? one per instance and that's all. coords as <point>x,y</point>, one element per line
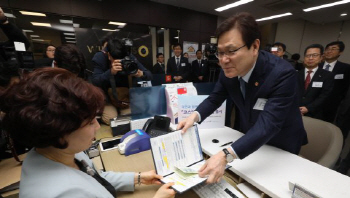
<point>312,55</point>
<point>331,49</point>
<point>229,53</point>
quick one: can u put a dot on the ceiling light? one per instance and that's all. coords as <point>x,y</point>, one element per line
<point>116,23</point>
<point>9,15</point>
<point>76,25</point>
<point>274,16</point>
<point>38,39</point>
<point>69,38</point>
<point>66,21</point>
<point>110,30</point>
<point>176,37</point>
<point>146,35</point>
<point>27,30</point>
<point>41,24</point>
<point>136,39</point>
<point>34,36</point>
<point>32,13</point>
<point>344,14</point>
<point>69,34</point>
<point>231,5</point>
<point>326,5</point>
<point>70,41</point>
<point>162,28</point>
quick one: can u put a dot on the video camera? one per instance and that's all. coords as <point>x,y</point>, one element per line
<point>129,66</point>
<point>23,59</point>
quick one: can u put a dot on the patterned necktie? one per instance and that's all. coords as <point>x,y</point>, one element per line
<point>242,86</point>
<point>177,62</point>
<point>308,79</point>
<point>199,63</point>
<point>327,67</point>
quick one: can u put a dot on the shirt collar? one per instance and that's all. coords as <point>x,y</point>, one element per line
<point>314,70</point>
<point>332,64</point>
<point>247,76</point>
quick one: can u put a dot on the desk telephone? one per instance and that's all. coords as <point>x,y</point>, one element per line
<point>157,126</point>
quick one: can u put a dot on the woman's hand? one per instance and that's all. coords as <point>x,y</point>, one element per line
<point>165,191</point>
<point>149,177</point>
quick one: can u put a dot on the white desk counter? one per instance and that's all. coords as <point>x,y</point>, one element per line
<point>270,169</point>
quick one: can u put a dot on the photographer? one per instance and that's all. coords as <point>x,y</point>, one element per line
<point>114,67</point>
<point>8,76</point>
<point>12,33</point>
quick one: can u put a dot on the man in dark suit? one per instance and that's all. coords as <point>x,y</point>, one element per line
<point>178,66</point>
<point>199,68</point>
<point>159,67</point>
<point>341,72</point>
<point>262,86</point>
<point>315,84</point>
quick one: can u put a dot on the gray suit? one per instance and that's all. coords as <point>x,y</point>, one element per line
<point>42,177</point>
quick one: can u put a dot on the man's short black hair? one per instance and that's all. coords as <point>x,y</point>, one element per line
<point>280,45</point>
<point>319,46</point>
<point>159,54</point>
<point>177,44</point>
<point>198,51</point>
<point>340,44</point>
<point>245,23</point>
<point>296,57</point>
<point>116,48</point>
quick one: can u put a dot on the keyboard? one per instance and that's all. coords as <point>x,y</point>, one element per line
<point>217,190</point>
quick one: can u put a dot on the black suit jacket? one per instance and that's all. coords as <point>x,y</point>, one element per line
<point>314,98</point>
<point>183,70</point>
<point>279,123</point>
<point>200,70</point>
<point>341,72</point>
<point>158,69</point>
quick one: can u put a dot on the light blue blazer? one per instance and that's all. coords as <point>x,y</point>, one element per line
<point>44,178</point>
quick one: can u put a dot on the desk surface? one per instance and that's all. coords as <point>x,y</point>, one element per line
<point>140,162</point>
<point>270,169</point>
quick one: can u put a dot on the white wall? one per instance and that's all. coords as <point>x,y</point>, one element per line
<point>298,34</point>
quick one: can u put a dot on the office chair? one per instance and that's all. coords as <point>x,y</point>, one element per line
<point>325,142</point>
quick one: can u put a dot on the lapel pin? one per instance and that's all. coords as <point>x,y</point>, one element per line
<point>256,84</point>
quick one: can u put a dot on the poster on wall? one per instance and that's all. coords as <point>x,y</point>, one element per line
<point>190,48</point>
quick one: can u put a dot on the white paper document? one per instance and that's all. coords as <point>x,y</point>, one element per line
<point>178,157</point>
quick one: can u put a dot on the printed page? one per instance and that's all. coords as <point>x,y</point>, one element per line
<point>175,149</point>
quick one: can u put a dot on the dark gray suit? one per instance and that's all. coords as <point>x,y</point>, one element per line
<point>314,97</point>
<point>183,69</point>
<point>341,72</point>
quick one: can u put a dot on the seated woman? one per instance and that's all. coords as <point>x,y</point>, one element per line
<point>54,111</point>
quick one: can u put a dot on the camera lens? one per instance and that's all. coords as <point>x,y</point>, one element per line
<point>131,67</point>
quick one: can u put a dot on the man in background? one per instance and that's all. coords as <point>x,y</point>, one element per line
<point>315,85</point>
<point>279,49</point>
<point>159,67</point>
<point>341,72</point>
<point>110,76</point>
<point>178,66</point>
<point>199,68</point>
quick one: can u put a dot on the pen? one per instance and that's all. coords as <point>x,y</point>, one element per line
<point>226,144</point>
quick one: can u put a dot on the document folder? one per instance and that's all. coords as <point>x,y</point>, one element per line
<point>177,157</point>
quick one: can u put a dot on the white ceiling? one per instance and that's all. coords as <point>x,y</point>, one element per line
<point>265,8</point>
